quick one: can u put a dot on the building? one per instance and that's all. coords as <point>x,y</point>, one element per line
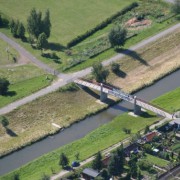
<point>89,174</point>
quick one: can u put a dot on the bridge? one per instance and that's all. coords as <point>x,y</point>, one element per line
<point>106,90</point>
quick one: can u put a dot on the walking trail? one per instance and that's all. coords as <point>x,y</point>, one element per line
<point>63,79</point>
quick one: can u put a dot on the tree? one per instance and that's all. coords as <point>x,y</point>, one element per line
<point>45,177</point>
<point>4,121</point>
<point>97,162</point>
<point>146,129</point>
<point>16,177</point>
<point>34,23</point>
<point>105,174</point>
<point>42,41</point>
<point>115,67</point>
<point>4,84</point>
<point>99,72</point>
<point>176,7</point>
<point>1,21</point>
<point>120,158</point>
<point>21,30</point>
<point>117,36</point>
<point>47,24</point>
<point>14,27</point>
<point>64,161</point>
<point>133,167</point>
<point>113,166</point>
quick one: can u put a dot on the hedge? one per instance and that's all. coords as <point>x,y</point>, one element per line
<point>100,26</point>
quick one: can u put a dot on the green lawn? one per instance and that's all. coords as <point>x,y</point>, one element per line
<point>7,53</point>
<point>69,18</point>
<point>156,160</point>
<point>102,138</point>
<point>24,88</point>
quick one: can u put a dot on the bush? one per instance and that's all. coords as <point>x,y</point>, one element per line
<point>4,84</point>
<point>71,87</point>
<point>100,26</point>
<point>115,67</point>
<point>144,165</point>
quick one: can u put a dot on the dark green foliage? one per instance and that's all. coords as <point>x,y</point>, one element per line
<point>113,166</point>
<point>34,23</point>
<point>71,87</point>
<point>99,72</point>
<point>46,24</point>
<point>105,174</point>
<point>117,36</point>
<point>64,161</point>
<point>21,30</point>
<point>97,162</point>
<point>146,129</point>
<point>4,84</point>
<point>42,41</point>
<point>127,131</point>
<point>147,148</point>
<point>45,177</point>
<point>115,67</point>
<point>16,177</point>
<point>101,25</point>
<point>133,167</point>
<point>77,156</point>
<point>3,21</point>
<point>4,121</point>
<point>144,165</point>
<point>176,7</point>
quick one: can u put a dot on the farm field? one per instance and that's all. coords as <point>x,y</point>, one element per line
<point>95,47</point>
<point>69,18</point>
<point>102,138</point>
<point>64,108</point>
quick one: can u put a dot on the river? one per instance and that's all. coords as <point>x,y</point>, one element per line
<point>79,130</point>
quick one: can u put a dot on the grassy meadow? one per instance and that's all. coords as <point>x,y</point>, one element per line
<point>69,18</point>
<point>102,138</point>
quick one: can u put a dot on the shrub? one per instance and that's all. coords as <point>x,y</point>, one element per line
<point>115,67</point>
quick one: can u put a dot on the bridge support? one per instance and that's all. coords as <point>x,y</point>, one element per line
<point>103,96</point>
<point>137,109</point>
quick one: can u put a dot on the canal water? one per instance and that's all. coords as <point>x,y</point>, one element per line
<point>79,130</point>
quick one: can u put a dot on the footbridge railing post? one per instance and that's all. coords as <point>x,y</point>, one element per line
<point>103,95</point>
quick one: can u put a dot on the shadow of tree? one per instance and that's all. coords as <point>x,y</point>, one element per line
<point>147,115</point>
<point>120,73</point>
<point>55,46</point>
<point>132,54</point>
<point>11,133</point>
<point>10,93</point>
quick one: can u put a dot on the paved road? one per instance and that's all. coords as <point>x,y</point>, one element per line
<point>66,78</point>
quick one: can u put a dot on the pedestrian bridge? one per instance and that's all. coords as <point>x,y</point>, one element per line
<point>109,90</point>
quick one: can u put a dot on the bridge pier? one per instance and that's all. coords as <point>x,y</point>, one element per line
<point>137,109</point>
<point>103,95</point>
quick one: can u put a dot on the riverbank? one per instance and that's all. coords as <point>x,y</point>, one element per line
<point>97,140</point>
<point>66,108</point>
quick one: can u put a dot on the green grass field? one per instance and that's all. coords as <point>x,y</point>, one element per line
<point>69,18</point>
<point>102,138</point>
<point>7,53</point>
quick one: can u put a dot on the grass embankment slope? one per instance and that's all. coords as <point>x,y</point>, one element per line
<point>69,107</point>
<point>69,18</point>
<point>97,140</point>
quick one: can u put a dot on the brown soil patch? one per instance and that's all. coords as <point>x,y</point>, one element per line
<point>144,75</point>
<point>135,24</point>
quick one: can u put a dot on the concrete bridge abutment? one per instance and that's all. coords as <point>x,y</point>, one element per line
<point>137,108</point>
<point>103,95</point>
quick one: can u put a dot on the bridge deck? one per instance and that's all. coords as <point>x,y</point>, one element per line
<point>122,95</point>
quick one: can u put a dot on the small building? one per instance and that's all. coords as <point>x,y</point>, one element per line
<point>89,174</point>
<point>148,137</point>
<point>132,148</point>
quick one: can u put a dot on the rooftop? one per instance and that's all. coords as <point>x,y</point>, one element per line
<point>91,172</point>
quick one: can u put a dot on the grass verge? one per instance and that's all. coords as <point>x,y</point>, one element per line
<point>97,140</point>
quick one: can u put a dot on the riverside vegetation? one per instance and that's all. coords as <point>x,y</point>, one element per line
<point>66,107</point>
<point>102,138</point>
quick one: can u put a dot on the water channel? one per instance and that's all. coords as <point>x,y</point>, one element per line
<point>82,128</point>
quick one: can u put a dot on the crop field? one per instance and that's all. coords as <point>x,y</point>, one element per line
<point>102,138</point>
<point>69,18</point>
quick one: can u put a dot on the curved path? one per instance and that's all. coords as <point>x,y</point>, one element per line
<point>66,78</point>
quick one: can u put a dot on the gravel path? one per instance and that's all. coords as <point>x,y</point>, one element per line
<point>66,78</point>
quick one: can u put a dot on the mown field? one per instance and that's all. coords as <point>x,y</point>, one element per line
<point>84,17</point>
<point>102,138</point>
<point>69,18</point>
<point>64,108</point>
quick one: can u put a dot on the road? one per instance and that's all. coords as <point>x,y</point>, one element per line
<point>63,79</point>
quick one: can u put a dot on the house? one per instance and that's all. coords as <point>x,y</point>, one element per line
<point>148,137</point>
<point>89,174</point>
<point>132,148</point>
